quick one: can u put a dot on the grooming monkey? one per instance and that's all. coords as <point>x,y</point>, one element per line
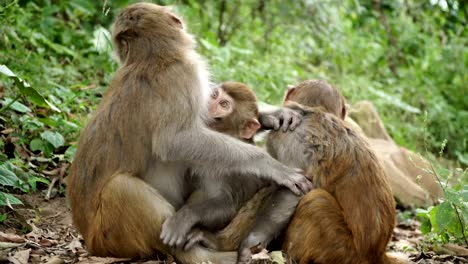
<point>212,205</point>
<point>128,175</point>
<point>350,218</point>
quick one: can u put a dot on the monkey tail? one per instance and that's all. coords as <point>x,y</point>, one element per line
<point>395,258</point>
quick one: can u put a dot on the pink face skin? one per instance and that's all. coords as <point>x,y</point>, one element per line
<point>220,104</point>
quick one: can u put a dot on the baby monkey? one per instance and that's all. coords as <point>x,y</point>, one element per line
<point>213,203</point>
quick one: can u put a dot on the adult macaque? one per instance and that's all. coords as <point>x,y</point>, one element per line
<point>128,173</point>
<point>350,217</point>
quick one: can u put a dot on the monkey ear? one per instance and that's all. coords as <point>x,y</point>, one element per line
<point>177,21</point>
<point>250,128</point>
<point>344,111</point>
<point>289,92</point>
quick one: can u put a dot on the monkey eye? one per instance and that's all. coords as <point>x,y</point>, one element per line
<point>224,104</point>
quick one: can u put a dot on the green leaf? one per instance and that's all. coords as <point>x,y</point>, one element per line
<point>5,70</point>
<point>12,200</point>
<point>443,215</point>
<point>33,180</point>
<point>426,226</point>
<point>3,217</point>
<point>7,177</point>
<point>26,89</point>
<point>54,138</point>
<point>17,106</point>
<point>70,153</point>
<point>36,144</point>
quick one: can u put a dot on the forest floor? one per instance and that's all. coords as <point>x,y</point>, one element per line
<point>41,232</point>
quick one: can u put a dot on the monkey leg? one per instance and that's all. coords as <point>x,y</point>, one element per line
<point>270,221</point>
<point>231,236</point>
<point>318,232</point>
<point>128,224</point>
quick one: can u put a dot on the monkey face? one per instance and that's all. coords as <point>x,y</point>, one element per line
<point>220,104</point>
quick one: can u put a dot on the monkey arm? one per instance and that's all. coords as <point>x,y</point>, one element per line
<point>210,213</point>
<point>212,153</point>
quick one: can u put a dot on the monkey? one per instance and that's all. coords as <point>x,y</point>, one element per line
<point>128,174</point>
<point>407,171</point>
<point>350,216</point>
<point>233,106</point>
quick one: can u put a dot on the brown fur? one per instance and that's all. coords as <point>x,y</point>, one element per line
<point>318,93</point>
<point>350,217</point>
<point>114,206</point>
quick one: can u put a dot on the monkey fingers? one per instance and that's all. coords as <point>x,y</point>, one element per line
<point>244,256</point>
<point>297,183</point>
<point>290,119</point>
<point>198,236</point>
<point>284,118</point>
<point>175,230</point>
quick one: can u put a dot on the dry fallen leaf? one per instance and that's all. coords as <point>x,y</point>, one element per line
<point>11,238</point>
<point>20,257</point>
<point>47,242</point>
<point>96,260</point>
<point>5,245</point>
<point>458,250</point>
<point>262,255</point>
<point>75,245</point>
<point>277,257</point>
<point>55,260</point>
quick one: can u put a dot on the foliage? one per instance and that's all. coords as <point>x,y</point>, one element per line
<point>448,221</point>
<point>408,57</point>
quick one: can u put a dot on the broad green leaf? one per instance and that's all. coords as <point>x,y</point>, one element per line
<point>54,138</point>
<point>36,144</point>
<point>7,177</point>
<point>33,180</point>
<point>426,226</point>
<point>17,106</point>
<point>70,153</point>
<point>6,198</point>
<point>27,90</point>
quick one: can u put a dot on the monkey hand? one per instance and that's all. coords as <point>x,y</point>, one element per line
<point>198,236</point>
<point>244,256</point>
<point>175,229</point>
<point>295,181</point>
<point>251,245</point>
<point>284,118</point>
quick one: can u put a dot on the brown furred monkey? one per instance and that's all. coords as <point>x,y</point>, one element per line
<point>350,217</point>
<point>128,172</point>
<point>213,204</point>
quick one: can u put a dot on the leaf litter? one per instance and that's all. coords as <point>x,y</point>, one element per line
<point>41,231</point>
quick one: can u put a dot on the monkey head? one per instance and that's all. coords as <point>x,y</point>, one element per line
<point>145,31</point>
<point>234,111</point>
<point>317,93</point>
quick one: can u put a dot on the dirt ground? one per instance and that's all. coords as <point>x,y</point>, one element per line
<point>42,232</point>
